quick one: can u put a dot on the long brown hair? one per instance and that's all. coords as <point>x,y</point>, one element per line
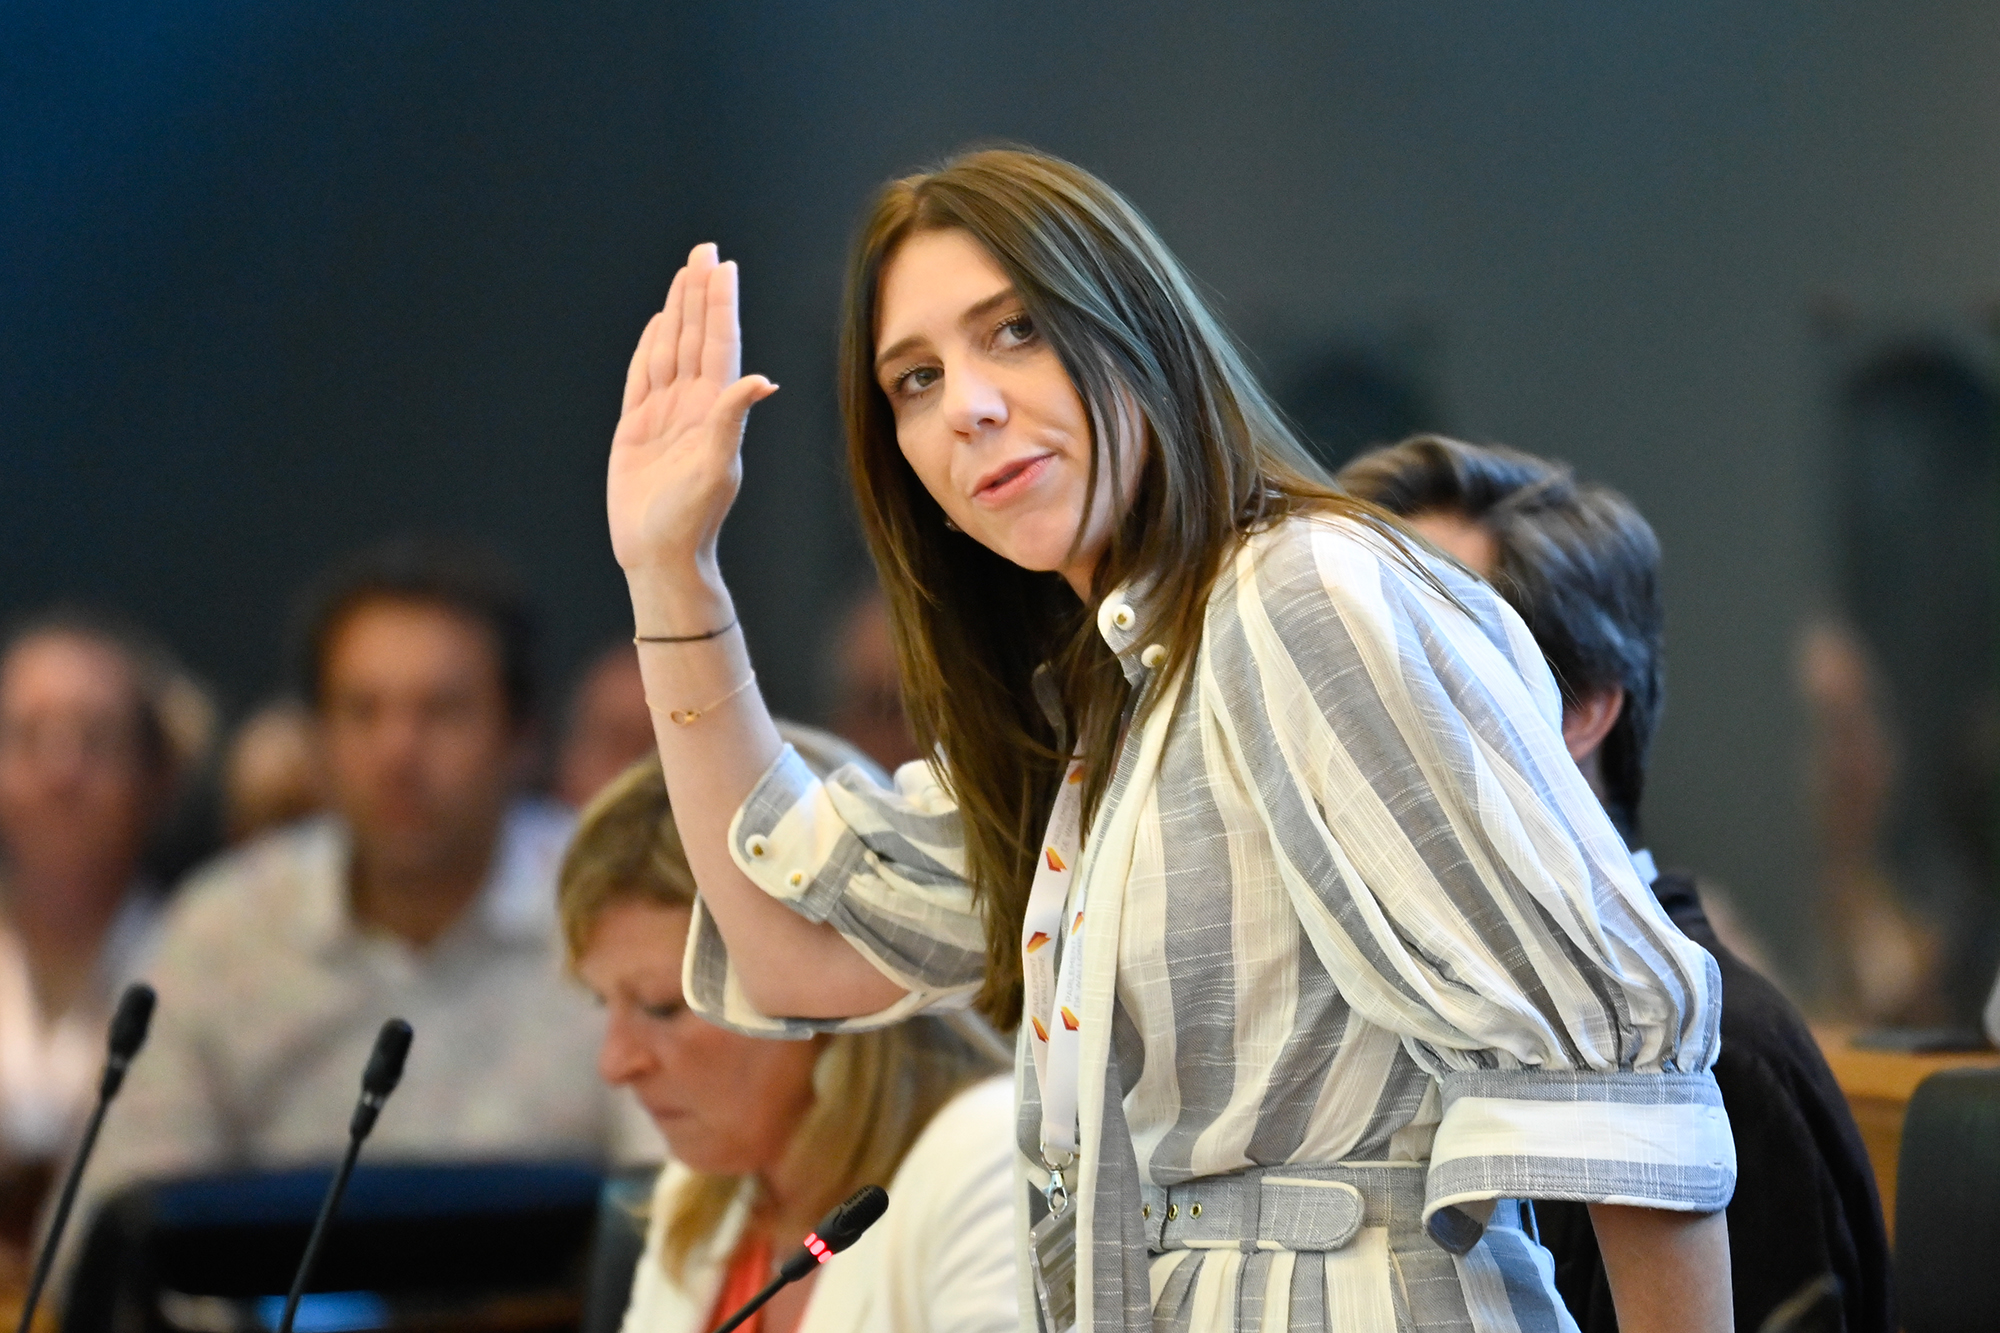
<point>873,1092</point>
<point>1129,326</point>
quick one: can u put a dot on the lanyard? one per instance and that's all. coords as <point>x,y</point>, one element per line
<point>1053,1001</point>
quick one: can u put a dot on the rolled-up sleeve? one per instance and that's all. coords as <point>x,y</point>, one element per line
<point>1463,886</point>
<point>885,866</point>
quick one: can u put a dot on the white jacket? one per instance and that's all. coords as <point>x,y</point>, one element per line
<point>941,1260</point>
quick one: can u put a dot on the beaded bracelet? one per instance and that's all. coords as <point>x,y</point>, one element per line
<point>682,717</point>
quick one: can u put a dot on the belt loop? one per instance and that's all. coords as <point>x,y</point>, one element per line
<point>1253,1216</point>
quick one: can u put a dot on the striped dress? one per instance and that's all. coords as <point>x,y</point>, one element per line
<point>1365,964</point>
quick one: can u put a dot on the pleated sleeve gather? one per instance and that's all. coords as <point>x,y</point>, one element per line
<point>885,866</point>
<point>1459,880</point>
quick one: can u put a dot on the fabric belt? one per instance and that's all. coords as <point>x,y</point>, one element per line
<point>1309,1208</point>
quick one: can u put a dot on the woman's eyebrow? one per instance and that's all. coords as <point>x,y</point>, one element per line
<point>974,313</point>
<point>895,350</point>
<point>979,310</point>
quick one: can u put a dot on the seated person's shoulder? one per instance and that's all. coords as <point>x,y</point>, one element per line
<point>235,900</point>
<point>970,1136</point>
<point>1760,1024</point>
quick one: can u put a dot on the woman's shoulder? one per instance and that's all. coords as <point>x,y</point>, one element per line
<point>1329,575</point>
<point>968,1141</point>
<point>1333,557</point>
<point>966,1123</point>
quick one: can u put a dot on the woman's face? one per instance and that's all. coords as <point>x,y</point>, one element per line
<point>985,413</point>
<point>727,1104</point>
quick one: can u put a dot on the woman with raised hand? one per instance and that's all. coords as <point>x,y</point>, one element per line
<point>1250,810</point>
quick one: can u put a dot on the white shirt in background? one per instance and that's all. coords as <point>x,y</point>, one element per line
<point>49,1064</point>
<point>941,1260</point>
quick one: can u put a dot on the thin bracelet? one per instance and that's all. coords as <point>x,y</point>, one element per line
<point>685,638</point>
<point>684,717</point>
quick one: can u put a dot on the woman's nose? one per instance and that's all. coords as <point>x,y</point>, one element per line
<point>621,1058</point>
<point>972,401</point>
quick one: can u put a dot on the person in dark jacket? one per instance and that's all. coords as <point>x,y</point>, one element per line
<point>1581,566</point>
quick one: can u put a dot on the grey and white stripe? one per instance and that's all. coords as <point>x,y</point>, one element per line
<point>1349,902</point>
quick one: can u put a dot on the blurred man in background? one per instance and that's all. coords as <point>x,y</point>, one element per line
<point>426,893</point>
<point>1581,566</point>
<point>91,755</point>
<point>609,727</point>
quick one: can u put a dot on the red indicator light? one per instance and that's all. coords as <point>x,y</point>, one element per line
<point>817,1248</point>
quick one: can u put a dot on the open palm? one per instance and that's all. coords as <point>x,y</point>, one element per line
<point>676,458</point>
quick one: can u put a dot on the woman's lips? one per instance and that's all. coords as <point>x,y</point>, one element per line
<point>1009,480</point>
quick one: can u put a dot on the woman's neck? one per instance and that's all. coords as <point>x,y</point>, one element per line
<point>62,920</point>
<point>778,1202</point>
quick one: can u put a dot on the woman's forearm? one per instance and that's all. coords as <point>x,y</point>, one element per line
<point>789,967</point>
<point>1669,1272</point>
<point>676,463</point>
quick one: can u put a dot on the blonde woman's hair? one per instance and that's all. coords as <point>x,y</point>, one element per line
<point>873,1092</point>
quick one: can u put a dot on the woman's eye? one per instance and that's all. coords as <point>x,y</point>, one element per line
<point>661,1012</point>
<point>1017,330</point>
<point>914,380</point>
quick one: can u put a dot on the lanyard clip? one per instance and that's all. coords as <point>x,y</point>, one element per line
<point>1056,1192</point>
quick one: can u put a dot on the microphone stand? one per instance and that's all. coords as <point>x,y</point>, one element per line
<point>328,1206</point>
<point>840,1229</point>
<point>755,1303</point>
<point>385,1068</point>
<point>128,1034</point>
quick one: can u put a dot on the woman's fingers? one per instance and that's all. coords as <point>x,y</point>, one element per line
<point>694,310</point>
<point>733,407</point>
<point>638,374</point>
<point>660,363</point>
<point>722,340</point>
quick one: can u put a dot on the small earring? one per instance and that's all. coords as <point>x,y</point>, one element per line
<point>951,526</point>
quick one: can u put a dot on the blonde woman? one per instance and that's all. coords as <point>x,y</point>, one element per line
<point>766,1136</point>
<point>1250,812</point>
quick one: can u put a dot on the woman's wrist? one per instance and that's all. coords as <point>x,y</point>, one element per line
<point>679,604</point>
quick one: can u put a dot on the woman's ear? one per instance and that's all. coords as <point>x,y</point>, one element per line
<point>1590,719</point>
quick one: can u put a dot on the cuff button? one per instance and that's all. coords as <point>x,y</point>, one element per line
<point>757,847</point>
<point>1155,654</point>
<point>796,878</point>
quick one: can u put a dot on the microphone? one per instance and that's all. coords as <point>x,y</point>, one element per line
<point>385,1070</point>
<point>128,1034</point>
<point>836,1231</point>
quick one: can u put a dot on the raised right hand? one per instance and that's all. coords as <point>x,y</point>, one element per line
<point>676,458</point>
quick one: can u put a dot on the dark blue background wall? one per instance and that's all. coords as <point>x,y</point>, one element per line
<point>275,279</point>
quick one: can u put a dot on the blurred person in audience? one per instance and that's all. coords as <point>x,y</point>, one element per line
<point>426,892</point>
<point>94,743</point>
<point>867,704</point>
<point>271,773</point>
<point>608,726</point>
<point>766,1136</point>
<point>1581,566</point>
<point>1885,960</point>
